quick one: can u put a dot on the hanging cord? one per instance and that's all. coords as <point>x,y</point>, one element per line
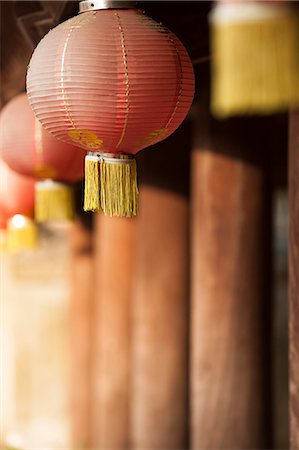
<point>202,60</point>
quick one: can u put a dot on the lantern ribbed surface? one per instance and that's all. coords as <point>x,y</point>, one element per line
<point>110,81</point>
<point>16,192</point>
<point>30,150</point>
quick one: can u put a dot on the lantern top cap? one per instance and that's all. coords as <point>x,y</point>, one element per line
<point>94,5</point>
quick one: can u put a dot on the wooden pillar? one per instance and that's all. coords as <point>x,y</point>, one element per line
<point>161,300</point>
<point>115,254</point>
<point>230,383</point>
<point>294,277</point>
<point>82,278</point>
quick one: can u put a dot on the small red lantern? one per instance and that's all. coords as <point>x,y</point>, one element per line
<point>3,223</point>
<point>30,150</point>
<point>16,206</point>
<point>112,81</point>
<point>3,220</point>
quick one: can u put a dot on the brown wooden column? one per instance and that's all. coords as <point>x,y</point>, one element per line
<point>161,300</point>
<point>115,255</point>
<point>82,278</point>
<point>294,277</point>
<point>230,383</point>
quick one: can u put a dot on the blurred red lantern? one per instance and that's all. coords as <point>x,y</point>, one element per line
<point>3,224</point>
<point>16,206</point>
<point>30,150</point>
<point>16,192</point>
<point>3,220</point>
<point>112,81</point>
<point>3,240</point>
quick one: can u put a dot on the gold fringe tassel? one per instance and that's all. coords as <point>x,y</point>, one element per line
<point>119,191</point>
<point>21,233</point>
<point>3,240</point>
<point>92,183</point>
<point>53,201</point>
<point>255,50</point>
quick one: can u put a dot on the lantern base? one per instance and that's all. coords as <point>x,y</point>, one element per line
<point>21,234</point>
<point>256,68</point>
<point>92,183</point>
<point>119,192</point>
<point>53,201</point>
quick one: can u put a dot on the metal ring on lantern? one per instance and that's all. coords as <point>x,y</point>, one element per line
<point>94,5</point>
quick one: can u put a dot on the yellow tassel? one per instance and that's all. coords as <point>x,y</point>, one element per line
<point>255,54</point>
<point>21,233</point>
<point>53,201</point>
<point>119,191</point>
<point>3,241</point>
<point>92,183</point>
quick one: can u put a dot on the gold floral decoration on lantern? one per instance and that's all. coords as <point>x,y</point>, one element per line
<point>155,136</point>
<point>86,138</point>
<point>43,172</point>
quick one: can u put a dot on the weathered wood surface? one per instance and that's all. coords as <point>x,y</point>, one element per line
<point>81,307</point>
<point>230,407</point>
<point>294,277</point>
<point>159,397</point>
<point>161,299</point>
<point>115,254</point>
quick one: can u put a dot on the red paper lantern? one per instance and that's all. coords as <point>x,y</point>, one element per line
<point>3,220</point>
<point>30,150</point>
<point>16,206</point>
<point>16,192</point>
<point>3,224</point>
<point>112,81</point>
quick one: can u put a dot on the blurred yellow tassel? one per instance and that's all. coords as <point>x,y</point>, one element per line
<point>92,183</point>
<point>255,53</point>
<point>53,201</point>
<point>119,191</point>
<point>21,233</point>
<point>3,240</point>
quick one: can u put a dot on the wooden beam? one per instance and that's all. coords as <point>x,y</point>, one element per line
<point>161,301</point>
<point>81,306</point>
<point>115,244</point>
<point>159,409</point>
<point>230,379</point>
<point>294,277</point>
